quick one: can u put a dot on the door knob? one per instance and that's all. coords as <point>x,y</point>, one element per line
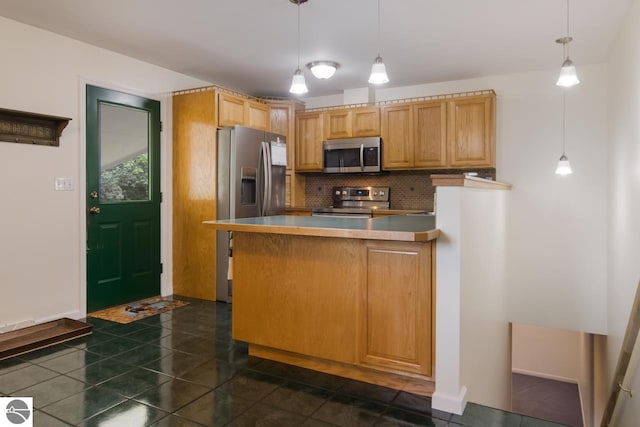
<point>94,210</point>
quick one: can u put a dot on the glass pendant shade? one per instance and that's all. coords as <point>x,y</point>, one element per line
<point>298,85</point>
<point>568,76</point>
<point>323,69</point>
<point>564,167</point>
<point>378,72</point>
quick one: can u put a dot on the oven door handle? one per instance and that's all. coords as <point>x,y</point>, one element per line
<point>362,157</point>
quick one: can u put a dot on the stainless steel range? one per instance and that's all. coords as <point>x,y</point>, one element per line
<point>355,202</point>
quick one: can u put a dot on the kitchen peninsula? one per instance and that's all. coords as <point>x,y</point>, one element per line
<point>351,297</point>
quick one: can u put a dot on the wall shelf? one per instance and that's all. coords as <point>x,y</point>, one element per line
<point>31,128</point>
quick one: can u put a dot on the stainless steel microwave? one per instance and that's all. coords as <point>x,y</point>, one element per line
<point>352,155</point>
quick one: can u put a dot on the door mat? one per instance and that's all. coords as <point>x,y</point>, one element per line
<point>127,313</point>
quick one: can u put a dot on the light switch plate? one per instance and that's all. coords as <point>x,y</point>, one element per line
<point>63,183</point>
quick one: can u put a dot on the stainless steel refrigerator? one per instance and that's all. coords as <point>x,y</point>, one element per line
<point>251,183</point>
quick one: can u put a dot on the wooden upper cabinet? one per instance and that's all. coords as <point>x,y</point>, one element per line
<point>234,110</point>
<point>352,122</point>
<point>309,141</point>
<point>280,119</point>
<point>257,115</point>
<point>439,134</point>
<point>230,110</point>
<point>365,122</point>
<point>397,136</point>
<point>430,137</point>
<point>471,131</point>
<point>338,124</point>
<point>281,122</point>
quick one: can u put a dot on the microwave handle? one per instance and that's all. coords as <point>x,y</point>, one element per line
<point>362,157</point>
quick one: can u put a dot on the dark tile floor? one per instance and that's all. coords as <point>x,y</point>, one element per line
<point>181,368</point>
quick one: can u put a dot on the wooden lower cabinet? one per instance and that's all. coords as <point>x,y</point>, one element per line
<point>347,306</point>
<point>293,293</point>
<point>395,314</point>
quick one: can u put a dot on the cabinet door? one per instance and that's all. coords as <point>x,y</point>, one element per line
<point>257,115</point>
<point>395,328</point>
<point>231,110</point>
<point>287,189</point>
<point>338,124</point>
<point>309,142</point>
<point>194,194</point>
<point>397,137</point>
<point>471,132</point>
<point>365,122</point>
<point>430,140</point>
<point>281,119</point>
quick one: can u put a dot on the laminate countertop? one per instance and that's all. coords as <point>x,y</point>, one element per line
<point>405,228</point>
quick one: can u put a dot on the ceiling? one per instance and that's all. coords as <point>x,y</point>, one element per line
<point>251,45</point>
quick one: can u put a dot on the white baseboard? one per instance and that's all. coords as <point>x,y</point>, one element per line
<point>449,403</point>
<point>15,326</point>
<point>75,315</point>
<point>31,322</point>
<point>544,375</point>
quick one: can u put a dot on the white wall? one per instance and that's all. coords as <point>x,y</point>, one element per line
<point>41,243</point>
<point>624,198</point>
<point>473,344</point>
<point>485,348</point>
<point>558,238</point>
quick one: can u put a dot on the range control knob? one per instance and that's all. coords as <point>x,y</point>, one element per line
<point>337,192</point>
<point>375,193</point>
<point>382,192</point>
<point>344,192</point>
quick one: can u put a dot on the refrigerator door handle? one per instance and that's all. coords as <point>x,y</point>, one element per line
<point>267,148</point>
<point>260,181</point>
<point>264,177</point>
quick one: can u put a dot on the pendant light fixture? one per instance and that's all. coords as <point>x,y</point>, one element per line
<point>298,85</point>
<point>564,167</point>
<point>378,70</point>
<point>568,76</point>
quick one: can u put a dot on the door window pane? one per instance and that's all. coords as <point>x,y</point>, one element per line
<point>124,153</point>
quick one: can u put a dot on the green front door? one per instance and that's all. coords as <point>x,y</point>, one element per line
<point>123,198</point>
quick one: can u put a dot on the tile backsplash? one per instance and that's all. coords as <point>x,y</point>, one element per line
<point>408,189</point>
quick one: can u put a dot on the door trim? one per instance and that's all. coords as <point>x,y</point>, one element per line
<point>166,160</point>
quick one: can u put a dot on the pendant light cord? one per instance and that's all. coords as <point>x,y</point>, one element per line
<point>378,27</point>
<point>567,17</point>
<point>564,119</point>
<point>566,45</point>
<point>299,34</point>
